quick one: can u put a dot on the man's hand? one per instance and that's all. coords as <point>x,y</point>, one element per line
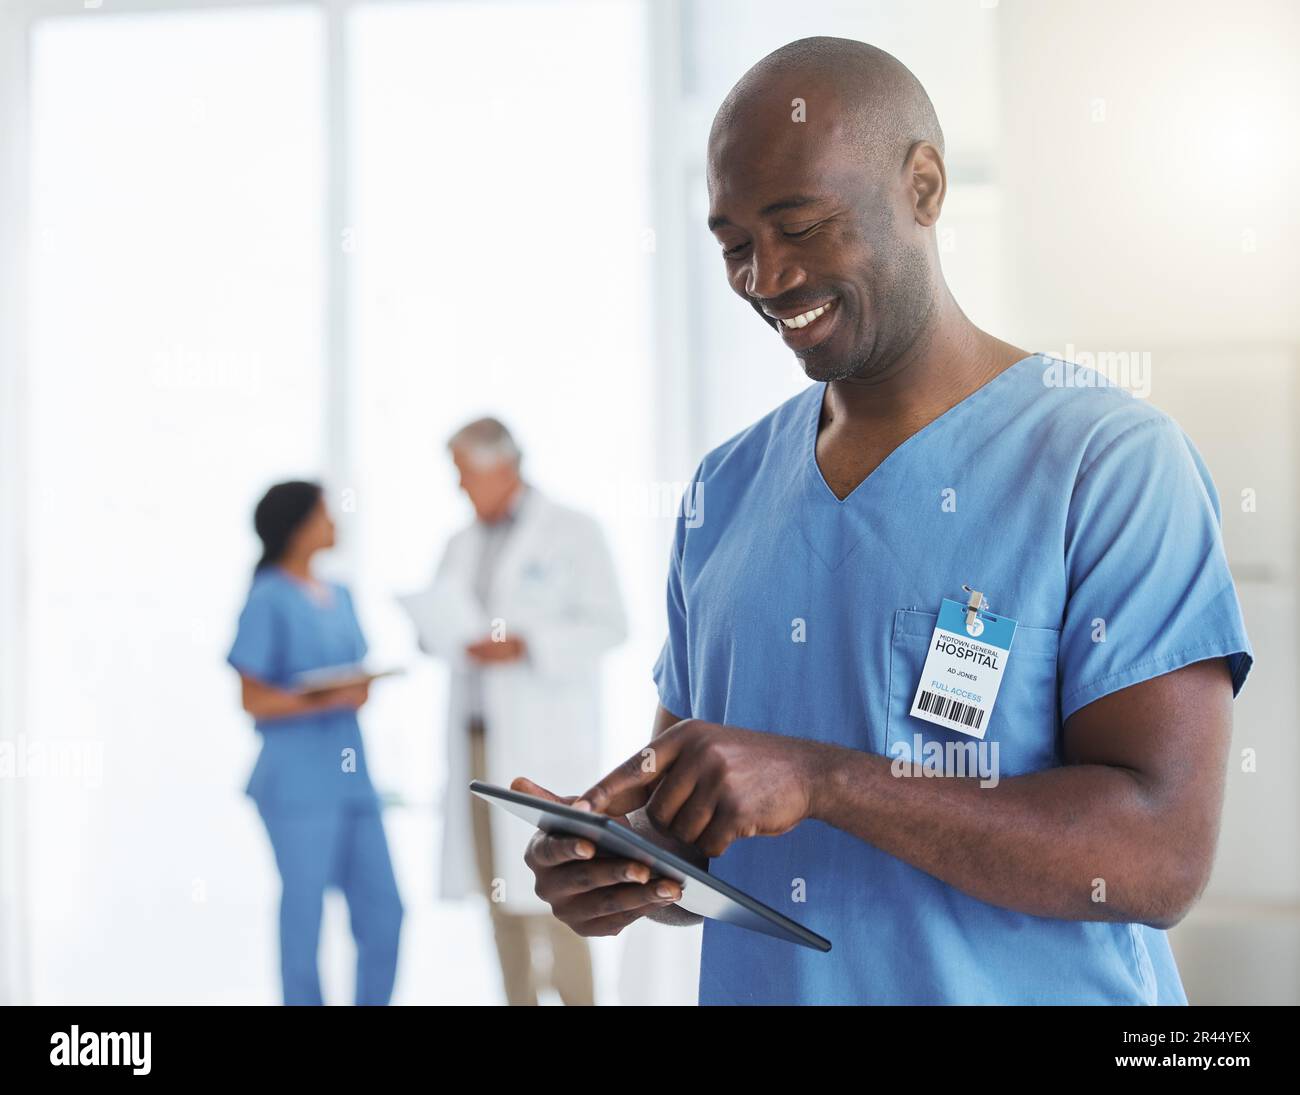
<point>711,785</point>
<point>491,651</point>
<point>593,895</point>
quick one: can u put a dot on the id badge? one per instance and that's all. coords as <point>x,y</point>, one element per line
<point>963,668</point>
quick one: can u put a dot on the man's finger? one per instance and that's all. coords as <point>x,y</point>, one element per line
<point>616,922</point>
<point>669,796</point>
<point>555,851</point>
<point>572,879</point>
<point>687,813</point>
<point>628,786</point>
<point>612,900</point>
<point>526,786</point>
<point>551,851</point>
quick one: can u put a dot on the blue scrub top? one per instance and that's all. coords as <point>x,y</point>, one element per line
<point>307,760</point>
<point>1065,506</point>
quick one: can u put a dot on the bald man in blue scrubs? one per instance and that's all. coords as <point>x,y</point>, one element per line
<point>951,658</point>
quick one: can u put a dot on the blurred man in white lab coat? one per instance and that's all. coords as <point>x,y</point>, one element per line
<point>523,605</point>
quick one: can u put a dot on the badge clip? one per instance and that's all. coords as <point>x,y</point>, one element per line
<point>974,606</point>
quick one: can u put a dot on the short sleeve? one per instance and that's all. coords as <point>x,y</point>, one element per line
<point>1149,585</point>
<point>672,670</point>
<point>356,635</point>
<point>255,652</point>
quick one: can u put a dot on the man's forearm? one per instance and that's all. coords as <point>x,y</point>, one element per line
<point>668,914</point>
<point>1081,842</point>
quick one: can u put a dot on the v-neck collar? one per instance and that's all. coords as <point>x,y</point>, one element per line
<point>814,420</point>
<point>834,528</point>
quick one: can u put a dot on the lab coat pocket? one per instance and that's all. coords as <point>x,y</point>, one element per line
<point>1023,730</point>
<point>540,589</point>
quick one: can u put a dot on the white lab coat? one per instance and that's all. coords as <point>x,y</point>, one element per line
<point>554,586</point>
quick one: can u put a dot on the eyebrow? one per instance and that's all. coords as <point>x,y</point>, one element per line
<point>796,201</point>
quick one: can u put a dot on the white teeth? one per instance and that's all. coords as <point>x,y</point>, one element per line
<point>806,318</point>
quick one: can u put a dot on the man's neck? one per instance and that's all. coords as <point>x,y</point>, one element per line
<point>948,361</point>
<point>509,504</point>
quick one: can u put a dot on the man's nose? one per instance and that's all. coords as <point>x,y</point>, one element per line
<point>771,271</point>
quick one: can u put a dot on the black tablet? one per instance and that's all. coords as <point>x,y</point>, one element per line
<point>702,894</point>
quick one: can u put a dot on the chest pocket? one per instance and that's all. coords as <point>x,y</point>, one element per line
<point>540,588</point>
<point>1024,722</point>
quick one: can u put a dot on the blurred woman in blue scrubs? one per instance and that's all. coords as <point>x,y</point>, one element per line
<point>310,783</point>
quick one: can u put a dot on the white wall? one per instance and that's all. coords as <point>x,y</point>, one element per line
<point>14,969</point>
<point>173,369</point>
<point>1149,162</point>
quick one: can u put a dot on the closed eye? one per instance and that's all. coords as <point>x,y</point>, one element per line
<point>793,233</point>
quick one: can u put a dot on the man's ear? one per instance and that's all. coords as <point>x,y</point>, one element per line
<point>927,181</point>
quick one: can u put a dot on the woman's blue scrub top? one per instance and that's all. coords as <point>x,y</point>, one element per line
<point>306,760</point>
<point>1081,512</point>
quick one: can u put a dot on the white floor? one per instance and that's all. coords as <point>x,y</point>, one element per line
<point>213,942</point>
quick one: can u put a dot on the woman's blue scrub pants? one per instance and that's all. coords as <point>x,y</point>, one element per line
<point>340,845</point>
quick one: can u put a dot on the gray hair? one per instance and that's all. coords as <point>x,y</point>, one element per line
<point>486,442</point>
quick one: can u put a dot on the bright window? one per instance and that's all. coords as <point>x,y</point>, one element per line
<point>175,368</point>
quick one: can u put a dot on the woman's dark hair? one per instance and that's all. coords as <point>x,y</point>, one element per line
<point>278,515</point>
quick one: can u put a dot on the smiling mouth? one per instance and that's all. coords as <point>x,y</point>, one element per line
<point>803,319</point>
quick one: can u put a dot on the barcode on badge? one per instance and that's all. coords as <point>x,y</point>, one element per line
<point>945,707</point>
